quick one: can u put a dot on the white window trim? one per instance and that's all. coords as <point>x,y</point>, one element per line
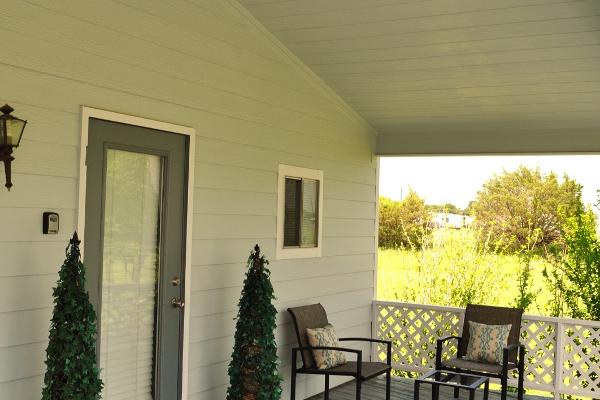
<point>300,252</point>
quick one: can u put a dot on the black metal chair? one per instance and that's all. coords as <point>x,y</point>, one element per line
<point>513,356</point>
<point>314,316</point>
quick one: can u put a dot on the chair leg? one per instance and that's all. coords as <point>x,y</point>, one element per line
<point>388,384</point>
<point>521,382</point>
<point>358,388</point>
<point>504,382</point>
<point>326,387</point>
<point>293,385</point>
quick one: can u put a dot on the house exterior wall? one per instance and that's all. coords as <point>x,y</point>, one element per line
<point>205,64</point>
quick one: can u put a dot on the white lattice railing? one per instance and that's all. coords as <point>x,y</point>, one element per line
<point>563,354</point>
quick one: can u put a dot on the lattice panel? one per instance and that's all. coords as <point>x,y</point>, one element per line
<point>414,330</point>
<point>581,358</point>
<point>539,339</point>
<point>414,333</point>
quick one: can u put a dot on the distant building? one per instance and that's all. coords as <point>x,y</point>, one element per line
<point>448,220</point>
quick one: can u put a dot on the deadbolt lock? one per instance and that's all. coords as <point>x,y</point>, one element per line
<point>175,281</point>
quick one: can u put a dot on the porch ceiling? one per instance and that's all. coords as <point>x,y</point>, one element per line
<point>438,76</point>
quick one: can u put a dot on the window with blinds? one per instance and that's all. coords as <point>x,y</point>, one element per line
<point>299,214</point>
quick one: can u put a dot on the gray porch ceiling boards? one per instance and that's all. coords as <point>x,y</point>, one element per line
<point>454,76</point>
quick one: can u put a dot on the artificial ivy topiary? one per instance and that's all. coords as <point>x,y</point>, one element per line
<point>253,370</point>
<point>71,370</point>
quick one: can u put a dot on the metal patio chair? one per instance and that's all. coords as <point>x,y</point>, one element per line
<point>314,316</point>
<point>513,354</point>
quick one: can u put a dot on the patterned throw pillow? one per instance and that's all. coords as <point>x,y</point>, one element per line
<point>325,336</point>
<point>486,342</point>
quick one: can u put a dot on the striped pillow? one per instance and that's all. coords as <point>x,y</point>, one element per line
<point>486,342</point>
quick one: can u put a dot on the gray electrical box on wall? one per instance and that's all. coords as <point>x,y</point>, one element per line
<point>50,223</point>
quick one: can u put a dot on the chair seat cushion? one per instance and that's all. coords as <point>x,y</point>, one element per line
<point>468,365</point>
<point>368,369</point>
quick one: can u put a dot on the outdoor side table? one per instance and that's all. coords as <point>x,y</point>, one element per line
<point>454,380</point>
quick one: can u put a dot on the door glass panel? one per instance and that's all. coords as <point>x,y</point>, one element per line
<point>130,270</point>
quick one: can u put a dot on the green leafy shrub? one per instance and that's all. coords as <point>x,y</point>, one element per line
<point>513,207</point>
<point>457,267</point>
<point>581,266</point>
<point>403,224</point>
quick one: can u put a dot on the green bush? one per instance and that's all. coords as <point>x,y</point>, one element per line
<point>514,207</point>
<point>457,267</point>
<point>581,266</point>
<point>403,224</point>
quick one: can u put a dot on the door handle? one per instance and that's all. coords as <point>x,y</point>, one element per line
<point>177,302</point>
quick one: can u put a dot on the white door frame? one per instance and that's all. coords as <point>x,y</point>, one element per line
<point>86,114</point>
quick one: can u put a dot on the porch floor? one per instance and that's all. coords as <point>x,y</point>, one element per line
<point>402,389</point>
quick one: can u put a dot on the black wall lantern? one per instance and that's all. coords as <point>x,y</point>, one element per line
<point>11,130</point>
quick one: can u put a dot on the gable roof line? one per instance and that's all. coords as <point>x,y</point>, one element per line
<point>295,61</point>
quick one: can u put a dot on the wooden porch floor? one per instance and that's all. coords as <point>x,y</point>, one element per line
<point>402,389</point>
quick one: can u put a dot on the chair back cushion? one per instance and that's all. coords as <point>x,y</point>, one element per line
<point>325,336</point>
<point>307,317</point>
<point>486,342</point>
<point>492,315</point>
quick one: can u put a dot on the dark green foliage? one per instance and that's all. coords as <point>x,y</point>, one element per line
<point>253,370</point>
<point>514,207</point>
<point>71,371</point>
<point>403,224</point>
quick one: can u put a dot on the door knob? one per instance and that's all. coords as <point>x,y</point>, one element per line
<point>177,302</point>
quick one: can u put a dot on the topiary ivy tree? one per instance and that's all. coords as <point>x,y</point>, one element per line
<point>71,371</point>
<point>253,370</point>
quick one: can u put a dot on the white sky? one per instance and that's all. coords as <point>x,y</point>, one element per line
<point>456,179</point>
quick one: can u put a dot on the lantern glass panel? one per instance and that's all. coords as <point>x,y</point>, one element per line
<point>15,129</point>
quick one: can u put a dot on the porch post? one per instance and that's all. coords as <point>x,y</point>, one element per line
<point>558,358</point>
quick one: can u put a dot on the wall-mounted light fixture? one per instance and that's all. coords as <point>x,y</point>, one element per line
<point>11,130</point>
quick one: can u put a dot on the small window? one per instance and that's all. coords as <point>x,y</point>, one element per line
<point>299,214</point>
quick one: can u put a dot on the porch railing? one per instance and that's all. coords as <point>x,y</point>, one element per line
<point>563,354</point>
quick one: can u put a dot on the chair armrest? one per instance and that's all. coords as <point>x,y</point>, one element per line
<point>388,344</point>
<point>354,339</point>
<point>512,347</point>
<point>343,349</point>
<point>439,348</point>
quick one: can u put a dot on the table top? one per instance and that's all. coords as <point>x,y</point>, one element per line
<point>453,379</point>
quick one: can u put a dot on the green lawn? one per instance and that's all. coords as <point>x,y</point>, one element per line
<point>453,271</point>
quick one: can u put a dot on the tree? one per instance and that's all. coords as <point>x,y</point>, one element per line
<point>71,371</point>
<point>253,373</point>
<point>403,223</point>
<point>515,206</point>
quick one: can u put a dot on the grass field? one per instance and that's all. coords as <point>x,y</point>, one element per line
<point>453,271</point>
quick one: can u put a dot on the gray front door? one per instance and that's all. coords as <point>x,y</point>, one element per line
<point>134,242</point>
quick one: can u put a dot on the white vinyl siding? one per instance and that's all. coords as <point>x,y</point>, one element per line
<point>208,65</point>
